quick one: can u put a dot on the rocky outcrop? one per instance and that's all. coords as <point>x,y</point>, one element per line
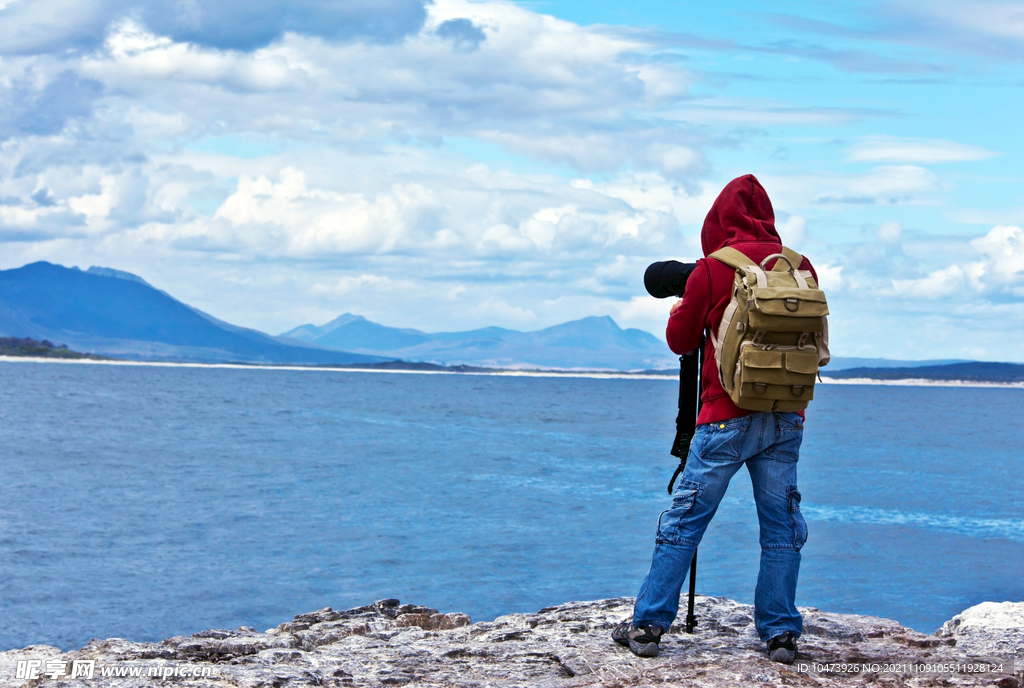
<point>391,644</point>
<point>988,628</point>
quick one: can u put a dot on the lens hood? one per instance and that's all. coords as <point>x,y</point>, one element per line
<point>667,278</point>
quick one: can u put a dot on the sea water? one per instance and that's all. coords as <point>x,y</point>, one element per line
<point>144,502</point>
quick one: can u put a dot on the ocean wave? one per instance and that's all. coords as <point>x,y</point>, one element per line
<point>1003,528</point>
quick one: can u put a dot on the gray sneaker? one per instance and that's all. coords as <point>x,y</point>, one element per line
<point>782,648</point>
<point>641,640</point>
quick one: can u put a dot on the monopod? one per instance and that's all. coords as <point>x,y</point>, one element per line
<point>690,366</point>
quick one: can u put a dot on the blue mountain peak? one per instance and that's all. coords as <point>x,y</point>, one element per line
<point>119,274</point>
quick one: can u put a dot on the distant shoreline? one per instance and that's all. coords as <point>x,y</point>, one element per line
<point>356,368</point>
<point>919,382</point>
<point>500,372</point>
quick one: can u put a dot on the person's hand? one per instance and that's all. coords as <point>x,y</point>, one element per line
<point>676,306</point>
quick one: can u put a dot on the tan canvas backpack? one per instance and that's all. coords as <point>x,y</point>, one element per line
<point>774,333</point>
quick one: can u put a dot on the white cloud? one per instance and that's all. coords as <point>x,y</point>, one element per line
<point>830,277</point>
<point>793,231</point>
<point>134,57</point>
<point>890,231</point>
<point>352,285</point>
<point>646,313</point>
<point>883,185</point>
<point>491,310</point>
<point>95,207</point>
<point>537,85</point>
<point>996,18</point>
<point>939,284</point>
<point>1002,269</point>
<point>477,213</point>
<point>999,274</point>
<point>923,151</point>
<point>314,221</point>
<point>718,110</point>
<point>17,218</point>
<point>652,191</point>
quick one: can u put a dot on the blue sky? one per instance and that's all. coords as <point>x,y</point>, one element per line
<point>454,164</point>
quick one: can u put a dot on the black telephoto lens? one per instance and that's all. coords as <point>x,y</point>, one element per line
<point>667,278</point>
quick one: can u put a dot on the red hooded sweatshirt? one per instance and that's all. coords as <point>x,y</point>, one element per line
<point>741,217</point>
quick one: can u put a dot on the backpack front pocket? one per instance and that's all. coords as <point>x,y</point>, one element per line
<point>777,375</point>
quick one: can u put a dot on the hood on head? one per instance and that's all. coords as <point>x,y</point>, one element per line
<point>741,213</point>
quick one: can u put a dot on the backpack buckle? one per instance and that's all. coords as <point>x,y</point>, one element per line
<point>798,390</point>
<point>760,387</point>
<point>792,305</point>
<point>802,342</point>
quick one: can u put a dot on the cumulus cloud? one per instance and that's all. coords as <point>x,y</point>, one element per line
<point>483,217</point>
<point>1002,267</point>
<point>939,284</point>
<point>110,133</point>
<point>536,85</point>
<point>134,57</point>
<point>999,274</point>
<point>314,222</point>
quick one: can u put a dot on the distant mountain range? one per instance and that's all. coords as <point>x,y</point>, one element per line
<point>593,343</point>
<point>115,313</point>
<point>118,314</point>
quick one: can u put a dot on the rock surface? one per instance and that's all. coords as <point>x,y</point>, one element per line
<point>988,628</point>
<point>390,644</point>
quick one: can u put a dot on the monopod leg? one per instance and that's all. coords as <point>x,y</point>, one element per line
<point>691,620</point>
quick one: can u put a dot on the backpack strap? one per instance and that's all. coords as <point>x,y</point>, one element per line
<point>738,260</point>
<point>795,258</point>
<point>732,257</point>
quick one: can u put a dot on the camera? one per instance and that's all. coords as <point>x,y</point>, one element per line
<point>667,278</point>
<point>664,279</point>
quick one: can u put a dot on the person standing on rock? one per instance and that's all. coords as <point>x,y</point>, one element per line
<point>726,438</point>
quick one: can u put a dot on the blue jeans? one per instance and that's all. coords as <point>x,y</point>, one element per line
<point>769,444</point>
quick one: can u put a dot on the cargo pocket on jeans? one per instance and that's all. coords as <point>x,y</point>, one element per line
<point>796,518</point>
<point>670,523</point>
